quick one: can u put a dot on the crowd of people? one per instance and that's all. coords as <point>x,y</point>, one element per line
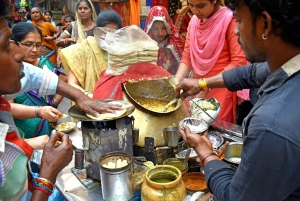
<point>210,61</point>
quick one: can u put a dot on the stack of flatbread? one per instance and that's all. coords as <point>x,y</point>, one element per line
<point>118,62</point>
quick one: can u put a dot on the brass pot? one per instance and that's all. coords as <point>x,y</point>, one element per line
<point>152,124</point>
<point>163,183</point>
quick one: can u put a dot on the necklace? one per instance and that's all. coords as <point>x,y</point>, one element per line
<point>88,25</point>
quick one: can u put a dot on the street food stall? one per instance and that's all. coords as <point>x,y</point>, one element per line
<point>73,189</point>
<point>139,152</point>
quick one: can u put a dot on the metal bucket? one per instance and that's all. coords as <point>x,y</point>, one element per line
<point>116,183</point>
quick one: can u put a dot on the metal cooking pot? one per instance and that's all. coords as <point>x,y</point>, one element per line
<point>152,124</point>
<point>233,152</point>
<point>159,89</point>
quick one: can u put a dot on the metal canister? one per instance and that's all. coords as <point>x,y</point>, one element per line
<point>79,159</point>
<point>116,183</point>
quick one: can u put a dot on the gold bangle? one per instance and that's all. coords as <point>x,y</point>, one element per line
<point>179,77</point>
<point>202,84</point>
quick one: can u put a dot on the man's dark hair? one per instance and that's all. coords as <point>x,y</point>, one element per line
<point>21,29</point>
<point>285,16</point>
<point>109,16</point>
<point>4,8</point>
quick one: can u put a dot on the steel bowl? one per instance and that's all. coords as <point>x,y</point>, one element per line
<point>216,139</point>
<point>181,155</point>
<point>196,125</point>
<point>198,112</point>
<point>233,152</point>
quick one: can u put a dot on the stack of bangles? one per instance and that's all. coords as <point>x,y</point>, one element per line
<point>206,156</point>
<point>36,111</point>
<point>67,40</point>
<point>43,185</point>
<point>202,84</point>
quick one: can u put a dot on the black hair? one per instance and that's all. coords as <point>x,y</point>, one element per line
<point>88,4</point>
<point>4,8</point>
<point>109,16</point>
<point>86,1</point>
<point>284,13</point>
<point>21,29</point>
<point>48,11</point>
<point>28,16</point>
<point>69,16</point>
<point>220,2</point>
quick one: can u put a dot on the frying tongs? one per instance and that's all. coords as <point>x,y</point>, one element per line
<point>171,103</point>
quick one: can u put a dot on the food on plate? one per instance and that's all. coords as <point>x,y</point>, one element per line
<point>116,114</point>
<point>155,105</point>
<point>210,106</point>
<point>65,127</point>
<point>119,164</point>
<point>204,104</point>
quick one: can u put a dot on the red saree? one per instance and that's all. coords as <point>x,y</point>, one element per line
<point>170,50</point>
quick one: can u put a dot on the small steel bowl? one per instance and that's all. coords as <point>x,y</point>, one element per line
<point>216,139</point>
<point>181,155</point>
<point>233,152</point>
<point>196,125</point>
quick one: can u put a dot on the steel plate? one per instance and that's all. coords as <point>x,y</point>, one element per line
<point>76,113</point>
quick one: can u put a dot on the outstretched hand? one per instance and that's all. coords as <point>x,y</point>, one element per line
<point>95,108</point>
<point>55,158</point>
<point>200,143</point>
<point>189,86</point>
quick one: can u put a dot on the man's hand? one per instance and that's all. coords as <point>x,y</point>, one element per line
<point>189,86</point>
<point>200,143</point>
<point>95,108</point>
<point>55,158</point>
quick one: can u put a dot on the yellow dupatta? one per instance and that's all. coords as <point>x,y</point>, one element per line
<point>86,61</point>
<point>85,58</point>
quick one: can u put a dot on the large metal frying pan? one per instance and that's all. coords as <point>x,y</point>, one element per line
<point>159,88</point>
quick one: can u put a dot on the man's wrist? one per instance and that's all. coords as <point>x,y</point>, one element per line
<point>47,175</point>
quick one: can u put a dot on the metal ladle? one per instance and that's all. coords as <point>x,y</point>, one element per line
<point>171,103</point>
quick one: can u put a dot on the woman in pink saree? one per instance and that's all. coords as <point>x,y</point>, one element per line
<point>211,48</point>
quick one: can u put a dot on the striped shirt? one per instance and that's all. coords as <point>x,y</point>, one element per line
<point>13,158</point>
